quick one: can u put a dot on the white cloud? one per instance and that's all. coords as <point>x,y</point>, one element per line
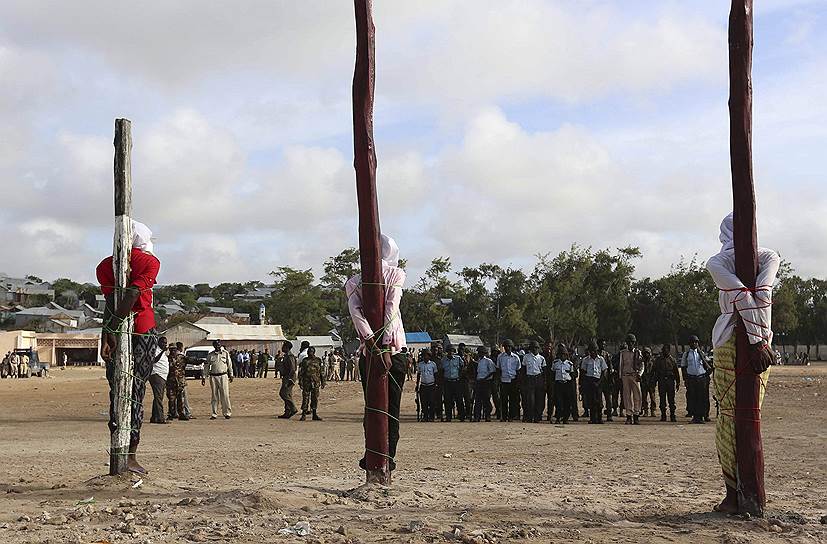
<point>503,129</point>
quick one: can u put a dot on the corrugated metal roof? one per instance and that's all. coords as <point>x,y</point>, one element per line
<point>316,342</point>
<point>468,340</point>
<point>213,320</point>
<point>418,338</point>
<point>269,333</point>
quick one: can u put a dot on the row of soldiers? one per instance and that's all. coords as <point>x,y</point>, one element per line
<point>529,383</point>
<point>250,363</point>
<point>14,365</point>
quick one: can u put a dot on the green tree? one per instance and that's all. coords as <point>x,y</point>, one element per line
<point>202,289</point>
<point>337,270</point>
<point>296,303</point>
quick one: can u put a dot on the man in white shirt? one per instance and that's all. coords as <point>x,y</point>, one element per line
<point>564,391</point>
<point>695,368</point>
<point>594,369</point>
<point>509,364</point>
<point>533,392</point>
<point>158,382</point>
<point>425,380</point>
<point>482,385</point>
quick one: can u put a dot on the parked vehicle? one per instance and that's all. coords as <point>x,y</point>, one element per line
<point>196,356</point>
<point>35,367</point>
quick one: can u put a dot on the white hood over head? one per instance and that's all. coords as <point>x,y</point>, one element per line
<point>390,251</point>
<point>141,237</point>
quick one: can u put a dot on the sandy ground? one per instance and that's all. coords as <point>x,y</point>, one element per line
<point>245,479</point>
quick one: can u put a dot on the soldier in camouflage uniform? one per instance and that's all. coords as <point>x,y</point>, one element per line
<point>648,383</point>
<point>176,383</point>
<point>311,379</point>
<point>665,372</point>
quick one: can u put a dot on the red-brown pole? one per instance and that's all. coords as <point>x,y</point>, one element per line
<point>373,295</point>
<point>749,448</point>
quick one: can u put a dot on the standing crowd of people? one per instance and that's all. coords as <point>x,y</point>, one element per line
<point>531,384</point>
<point>14,365</point>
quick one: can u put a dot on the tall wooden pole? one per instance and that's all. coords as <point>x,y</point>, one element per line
<point>121,253</point>
<point>370,254</point>
<point>749,448</point>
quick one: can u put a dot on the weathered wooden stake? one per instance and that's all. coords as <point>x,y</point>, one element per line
<point>749,448</point>
<point>121,254</point>
<point>373,294</point>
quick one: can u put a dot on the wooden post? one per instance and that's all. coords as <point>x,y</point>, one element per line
<point>370,253</point>
<point>749,448</point>
<point>121,253</point>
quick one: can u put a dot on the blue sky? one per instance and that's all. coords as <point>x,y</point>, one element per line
<point>504,129</point>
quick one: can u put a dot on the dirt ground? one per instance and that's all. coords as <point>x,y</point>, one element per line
<point>245,479</point>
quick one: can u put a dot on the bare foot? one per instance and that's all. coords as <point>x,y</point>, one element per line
<point>133,466</point>
<point>730,503</point>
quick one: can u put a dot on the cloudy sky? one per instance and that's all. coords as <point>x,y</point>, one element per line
<point>504,129</point>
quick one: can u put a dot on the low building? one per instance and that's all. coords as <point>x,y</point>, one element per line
<point>321,343</point>
<point>418,340</point>
<point>52,317</point>
<point>471,342</point>
<point>256,295</point>
<point>170,308</point>
<point>79,348</point>
<point>22,290</point>
<point>232,335</point>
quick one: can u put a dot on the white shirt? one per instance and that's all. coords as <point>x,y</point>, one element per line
<point>694,363</point>
<point>302,356</point>
<point>534,364</point>
<point>427,372</point>
<point>594,367</point>
<point>562,370</point>
<point>509,365</point>
<point>755,308</point>
<point>161,366</point>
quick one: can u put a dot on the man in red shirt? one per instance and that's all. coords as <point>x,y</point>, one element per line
<point>138,301</point>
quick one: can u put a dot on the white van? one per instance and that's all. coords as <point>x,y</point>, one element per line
<point>197,357</point>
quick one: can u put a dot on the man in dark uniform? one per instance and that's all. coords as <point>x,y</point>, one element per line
<point>668,378</point>
<point>467,378</point>
<point>608,383</point>
<point>548,375</point>
<point>617,397</point>
<point>312,379</point>
<point>288,379</point>
<point>648,383</point>
<point>176,384</point>
<point>495,385</point>
<point>437,353</point>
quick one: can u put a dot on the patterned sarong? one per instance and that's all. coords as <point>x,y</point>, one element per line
<point>724,384</point>
<point>144,347</point>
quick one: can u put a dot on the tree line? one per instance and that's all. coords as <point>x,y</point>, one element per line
<point>580,293</point>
